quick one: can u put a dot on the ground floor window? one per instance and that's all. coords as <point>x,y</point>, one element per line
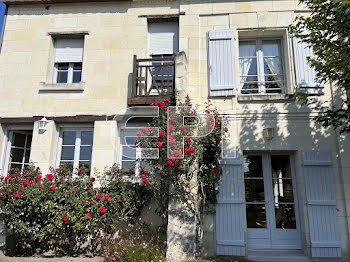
<point>75,148</point>
<point>18,148</point>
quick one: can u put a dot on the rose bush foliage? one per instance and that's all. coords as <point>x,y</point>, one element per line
<point>66,214</point>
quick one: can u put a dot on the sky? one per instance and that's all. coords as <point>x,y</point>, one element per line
<point>2,13</point>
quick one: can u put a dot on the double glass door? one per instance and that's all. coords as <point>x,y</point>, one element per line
<point>271,206</point>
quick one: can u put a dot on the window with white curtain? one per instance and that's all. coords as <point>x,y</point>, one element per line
<point>68,60</point>
<point>261,66</point>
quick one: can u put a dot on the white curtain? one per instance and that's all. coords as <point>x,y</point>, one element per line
<point>244,66</point>
<point>273,65</point>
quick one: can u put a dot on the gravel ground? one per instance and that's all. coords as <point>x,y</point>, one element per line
<point>4,258</point>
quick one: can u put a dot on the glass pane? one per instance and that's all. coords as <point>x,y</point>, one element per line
<point>285,216</point>
<point>29,141</point>
<point>253,166</point>
<point>272,87</point>
<point>282,190</point>
<point>127,165</point>
<point>18,139</point>
<point>17,155</point>
<point>85,152</point>
<point>15,168</point>
<point>67,153</point>
<point>63,66</point>
<point>256,216</point>
<point>247,49</point>
<point>69,138</point>
<point>254,190</point>
<point>249,88</point>
<point>271,47</point>
<point>272,66</point>
<point>62,77</point>
<point>280,166</point>
<point>26,159</point>
<point>67,165</point>
<point>77,66</point>
<point>76,76</point>
<point>247,66</point>
<point>86,137</point>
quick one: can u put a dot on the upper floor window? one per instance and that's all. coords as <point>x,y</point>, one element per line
<point>261,69</point>
<point>75,148</point>
<point>68,60</point>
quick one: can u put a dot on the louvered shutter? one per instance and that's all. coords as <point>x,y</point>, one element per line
<point>69,50</point>
<point>163,38</point>
<point>230,221</point>
<point>221,63</point>
<point>321,204</point>
<point>306,79</point>
<point>2,19</point>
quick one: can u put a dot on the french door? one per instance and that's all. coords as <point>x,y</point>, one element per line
<point>271,204</point>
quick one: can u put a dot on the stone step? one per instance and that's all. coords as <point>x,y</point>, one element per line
<point>277,256</point>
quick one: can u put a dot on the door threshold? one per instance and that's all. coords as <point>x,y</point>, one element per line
<point>277,255</point>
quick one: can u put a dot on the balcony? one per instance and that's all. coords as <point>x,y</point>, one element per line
<point>152,80</point>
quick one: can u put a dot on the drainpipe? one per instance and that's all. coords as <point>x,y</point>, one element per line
<point>341,174</point>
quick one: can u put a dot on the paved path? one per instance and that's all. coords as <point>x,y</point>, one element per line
<point>41,259</point>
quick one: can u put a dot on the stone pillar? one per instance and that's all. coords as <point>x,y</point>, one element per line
<point>181,76</point>
<point>104,148</point>
<point>44,146</point>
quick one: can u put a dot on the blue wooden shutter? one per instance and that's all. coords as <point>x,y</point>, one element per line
<point>230,219</point>
<point>306,79</point>
<point>221,63</point>
<point>321,202</point>
<point>2,21</point>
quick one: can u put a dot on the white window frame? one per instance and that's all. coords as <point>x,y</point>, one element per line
<point>77,146</point>
<point>70,72</point>
<point>138,150</point>
<point>8,143</point>
<point>260,64</point>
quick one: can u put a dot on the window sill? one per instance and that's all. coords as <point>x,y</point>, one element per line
<point>266,97</point>
<point>79,87</point>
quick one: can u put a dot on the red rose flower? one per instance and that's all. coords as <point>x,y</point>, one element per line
<point>49,177</point>
<point>38,178</point>
<point>64,218</point>
<point>159,144</point>
<point>40,186</point>
<point>143,171</point>
<point>92,179</point>
<point>107,197</point>
<point>32,182</point>
<point>213,170</point>
<point>189,150</point>
<point>161,132</point>
<point>144,180</point>
<point>73,190</point>
<point>25,182</point>
<point>170,120</point>
<point>163,108</point>
<point>102,210</point>
<point>166,100</point>
<point>171,128</point>
<point>152,104</point>
<point>88,215</point>
<point>7,178</point>
<point>139,134</point>
<point>53,188</point>
<point>188,139</point>
<point>99,196</point>
<point>209,126</point>
<point>179,168</point>
<point>22,187</point>
<point>169,163</point>
<point>17,194</point>
<point>144,130</point>
<point>150,128</point>
<point>79,172</point>
<point>207,111</point>
<point>183,128</point>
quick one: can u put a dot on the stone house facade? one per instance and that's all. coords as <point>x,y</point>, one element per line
<point>285,187</point>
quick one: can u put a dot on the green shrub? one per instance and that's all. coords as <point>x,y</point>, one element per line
<point>67,214</point>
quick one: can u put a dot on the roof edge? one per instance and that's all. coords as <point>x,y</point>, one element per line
<point>33,2</point>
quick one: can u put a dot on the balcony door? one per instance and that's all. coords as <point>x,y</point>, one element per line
<point>163,43</point>
<point>271,204</point>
